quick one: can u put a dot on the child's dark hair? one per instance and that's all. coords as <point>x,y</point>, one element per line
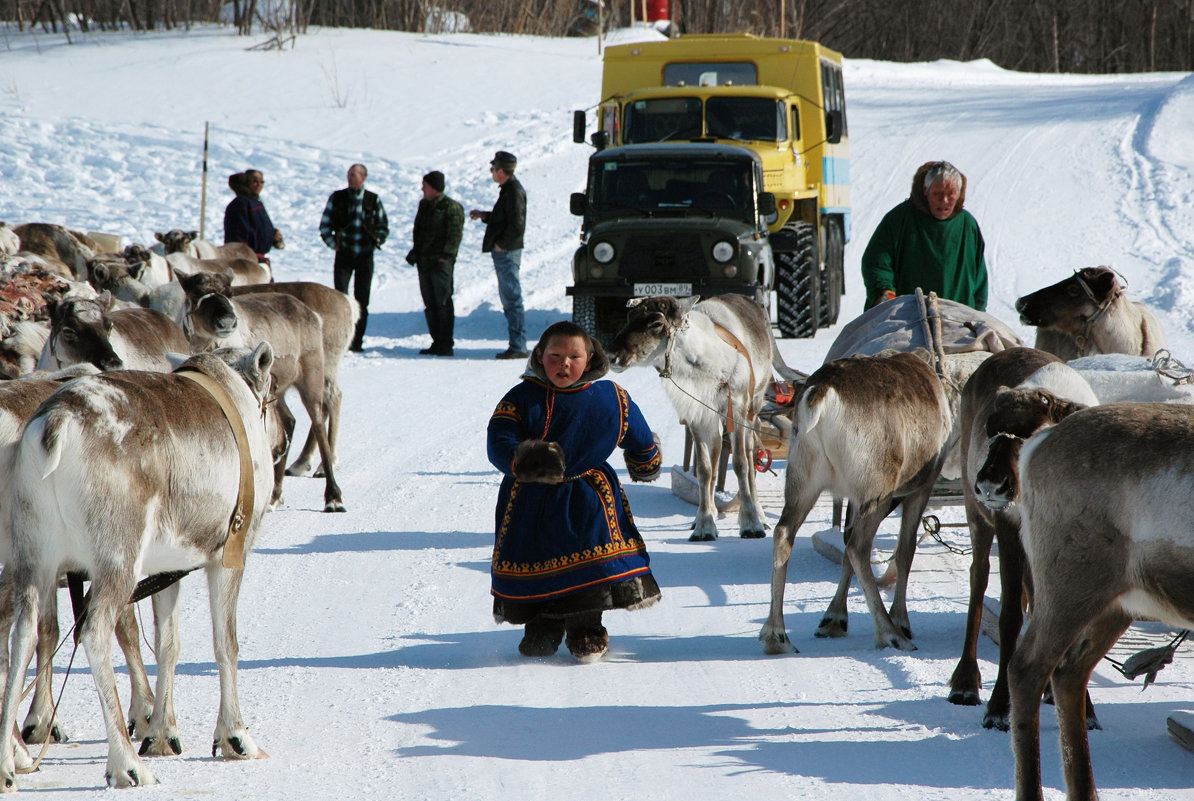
<point>564,328</point>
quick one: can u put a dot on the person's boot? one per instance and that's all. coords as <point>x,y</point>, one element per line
<point>588,640</point>
<point>541,637</point>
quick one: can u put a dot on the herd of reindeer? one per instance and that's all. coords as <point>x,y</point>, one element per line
<point>137,373</point>
<point>145,432</point>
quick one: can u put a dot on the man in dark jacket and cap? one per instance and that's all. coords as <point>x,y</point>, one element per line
<point>504,228</point>
<point>928,241</point>
<point>354,224</point>
<point>439,223</point>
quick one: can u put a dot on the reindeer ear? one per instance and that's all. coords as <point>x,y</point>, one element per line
<point>263,360</point>
<point>105,301</point>
<point>192,235</point>
<point>630,304</point>
<point>685,304</point>
<point>99,272</point>
<point>158,237</point>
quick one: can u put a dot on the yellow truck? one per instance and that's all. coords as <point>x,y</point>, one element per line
<point>782,100</point>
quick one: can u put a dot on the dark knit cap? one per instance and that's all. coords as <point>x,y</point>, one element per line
<point>434,179</point>
<point>504,161</point>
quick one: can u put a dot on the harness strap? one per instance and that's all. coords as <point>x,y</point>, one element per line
<point>728,337</point>
<point>234,546</point>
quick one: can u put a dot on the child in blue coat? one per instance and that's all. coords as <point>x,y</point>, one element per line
<point>566,546</point>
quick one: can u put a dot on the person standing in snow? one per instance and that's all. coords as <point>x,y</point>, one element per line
<point>928,241</point>
<point>504,228</point>
<point>566,548</point>
<point>245,217</point>
<point>354,224</point>
<point>439,223</point>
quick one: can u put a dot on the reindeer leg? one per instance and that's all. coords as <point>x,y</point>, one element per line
<point>24,610</point>
<point>37,727</point>
<point>914,509</point>
<point>128,637</point>
<point>750,512</point>
<point>111,588</point>
<point>1070,679</point>
<point>858,553</point>
<point>162,738</point>
<point>705,456</point>
<point>966,681</point>
<point>774,633</point>
<point>1012,567</point>
<point>231,739</point>
<point>286,420</point>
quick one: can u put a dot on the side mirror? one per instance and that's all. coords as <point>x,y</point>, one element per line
<point>835,125</point>
<point>767,204</point>
<point>600,140</point>
<point>578,204</point>
<point>578,126</point>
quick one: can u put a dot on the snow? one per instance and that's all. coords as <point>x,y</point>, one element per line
<point>370,667</point>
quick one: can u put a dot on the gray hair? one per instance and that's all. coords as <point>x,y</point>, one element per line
<point>943,171</point>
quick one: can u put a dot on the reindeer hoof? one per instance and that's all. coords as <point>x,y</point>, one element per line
<point>752,534</point>
<point>777,644</point>
<point>832,627</point>
<point>964,698</point>
<point>698,536</point>
<point>334,506</point>
<point>999,722</point>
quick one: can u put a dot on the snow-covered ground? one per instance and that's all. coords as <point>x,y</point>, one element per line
<point>370,665</point>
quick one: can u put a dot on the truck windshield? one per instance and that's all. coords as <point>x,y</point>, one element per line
<point>662,119</point>
<point>659,185</point>
<point>746,118</point>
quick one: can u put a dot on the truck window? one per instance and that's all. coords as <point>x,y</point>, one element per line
<point>662,119</point>
<point>711,73</point>
<point>746,118</point>
<point>671,183</point>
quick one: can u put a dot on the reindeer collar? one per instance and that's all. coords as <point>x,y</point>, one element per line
<point>1083,339</point>
<point>672,333</point>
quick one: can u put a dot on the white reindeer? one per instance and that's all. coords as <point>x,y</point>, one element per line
<point>715,357</point>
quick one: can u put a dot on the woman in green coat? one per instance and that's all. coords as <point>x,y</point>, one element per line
<point>928,241</point>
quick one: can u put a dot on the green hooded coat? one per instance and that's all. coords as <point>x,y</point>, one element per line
<point>911,248</point>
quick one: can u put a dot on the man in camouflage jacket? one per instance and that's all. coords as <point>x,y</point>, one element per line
<point>439,223</point>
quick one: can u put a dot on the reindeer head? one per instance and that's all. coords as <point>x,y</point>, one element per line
<point>80,332</point>
<point>1016,415</point>
<point>650,323</point>
<point>1068,305</point>
<point>176,240</point>
<point>209,304</point>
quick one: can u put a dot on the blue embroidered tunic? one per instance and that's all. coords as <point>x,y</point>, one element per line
<point>556,540</point>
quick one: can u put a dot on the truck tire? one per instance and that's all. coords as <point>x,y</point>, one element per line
<point>584,313</point>
<point>833,279</point>
<point>797,284</point>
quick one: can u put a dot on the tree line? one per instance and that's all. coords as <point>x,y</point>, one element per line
<point>1084,36</point>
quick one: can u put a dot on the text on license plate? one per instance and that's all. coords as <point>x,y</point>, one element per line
<point>677,290</point>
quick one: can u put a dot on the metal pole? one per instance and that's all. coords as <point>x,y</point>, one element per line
<point>203,190</point>
<point>600,23</point>
<point>783,18</point>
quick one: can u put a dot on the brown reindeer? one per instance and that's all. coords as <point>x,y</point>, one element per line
<point>874,430</point>
<point>215,319</point>
<point>91,330</point>
<point>339,314</point>
<point>989,410</point>
<point>178,241</point>
<point>1123,553</point>
<point>1090,313</point>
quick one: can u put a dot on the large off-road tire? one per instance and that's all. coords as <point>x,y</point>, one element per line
<point>797,284</point>
<point>584,313</point>
<point>833,277</point>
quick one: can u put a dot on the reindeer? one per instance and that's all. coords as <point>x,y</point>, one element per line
<point>125,442</point>
<point>89,330</point>
<point>339,314</point>
<point>1090,313</point>
<point>64,251</point>
<point>216,320</point>
<point>875,430</point>
<point>986,404</point>
<point>178,241</point>
<point>1123,553</point>
<point>18,401</point>
<point>713,356</point>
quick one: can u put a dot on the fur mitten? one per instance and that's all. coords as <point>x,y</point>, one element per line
<point>539,461</point>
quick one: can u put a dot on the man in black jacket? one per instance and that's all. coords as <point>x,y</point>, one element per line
<point>438,225</point>
<point>504,227</point>
<point>354,224</point>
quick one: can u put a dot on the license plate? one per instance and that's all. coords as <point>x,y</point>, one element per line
<point>678,290</point>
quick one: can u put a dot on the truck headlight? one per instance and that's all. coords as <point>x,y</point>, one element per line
<point>603,252</point>
<point>723,251</point>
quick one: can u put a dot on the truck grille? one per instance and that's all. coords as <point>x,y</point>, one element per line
<point>662,257</point>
